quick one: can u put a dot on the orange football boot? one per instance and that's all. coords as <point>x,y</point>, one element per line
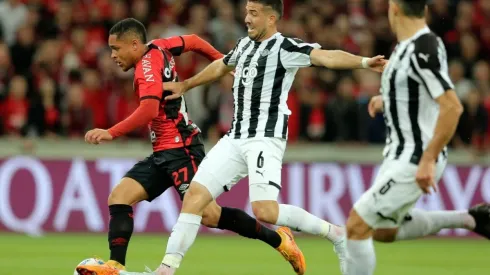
<point>105,269</point>
<point>115,264</point>
<point>290,250</point>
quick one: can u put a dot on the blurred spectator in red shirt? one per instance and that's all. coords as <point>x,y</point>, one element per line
<point>78,118</point>
<point>15,108</point>
<point>126,103</point>
<point>44,114</point>
<point>95,98</point>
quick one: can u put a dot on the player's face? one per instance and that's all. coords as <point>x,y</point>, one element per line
<point>122,51</point>
<point>256,20</point>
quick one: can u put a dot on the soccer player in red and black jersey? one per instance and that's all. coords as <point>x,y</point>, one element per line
<point>177,145</point>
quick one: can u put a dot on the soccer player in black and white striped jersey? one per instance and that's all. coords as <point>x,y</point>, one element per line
<point>421,112</point>
<point>265,65</point>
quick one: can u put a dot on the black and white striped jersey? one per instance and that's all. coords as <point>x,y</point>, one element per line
<point>416,75</point>
<point>264,74</point>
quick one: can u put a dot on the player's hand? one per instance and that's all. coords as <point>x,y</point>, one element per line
<point>176,88</point>
<point>97,136</point>
<point>377,63</point>
<point>375,105</point>
<point>425,175</point>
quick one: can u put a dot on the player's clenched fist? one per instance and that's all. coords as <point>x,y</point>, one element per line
<point>375,105</point>
<point>96,136</point>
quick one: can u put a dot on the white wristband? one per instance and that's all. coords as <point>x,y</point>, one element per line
<point>364,62</point>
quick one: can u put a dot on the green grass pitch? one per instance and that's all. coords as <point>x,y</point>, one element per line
<point>58,254</point>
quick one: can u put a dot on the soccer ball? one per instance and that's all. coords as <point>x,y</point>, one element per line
<point>89,261</point>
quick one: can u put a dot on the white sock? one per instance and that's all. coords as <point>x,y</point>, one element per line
<point>183,235</point>
<point>362,258</point>
<point>300,220</point>
<point>425,223</point>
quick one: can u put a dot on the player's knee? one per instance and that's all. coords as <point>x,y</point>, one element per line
<point>357,229</point>
<point>266,211</point>
<point>128,192</point>
<point>211,215</point>
<point>116,197</point>
<point>194,193</point>
<point>385,235</point>
<point>209,220</point>
<point>196,198</point>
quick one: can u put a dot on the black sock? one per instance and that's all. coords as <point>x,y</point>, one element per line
<point>241,223</point>
<point>120,231</point>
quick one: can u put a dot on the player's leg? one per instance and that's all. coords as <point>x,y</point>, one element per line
<point>183,169</point>
<point>142,182</point>
<point>420,223</point>
<point>238,221</point>
<point>361,256</point>
<point>121,200</point>
<point>383,206</point>
<point>296,218</point>
<point>222,166</point>
<point>362,220</point>
<point>264,157</point>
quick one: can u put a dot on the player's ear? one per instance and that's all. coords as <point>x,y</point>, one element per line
<point>134,44</point>
<point>272,19</point>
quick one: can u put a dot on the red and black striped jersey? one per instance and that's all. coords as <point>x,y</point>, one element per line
<point>172,128</point>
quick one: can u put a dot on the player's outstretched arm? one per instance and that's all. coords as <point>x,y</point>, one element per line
<point>146,111</point>
<point>296,53</point>
<point>336,59</point>
<point>148,83</point>
<point>198,45</point>
<point>211,73</point>
<point>178,45</point>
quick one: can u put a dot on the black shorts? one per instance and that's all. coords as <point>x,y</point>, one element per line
<point>164,169</point>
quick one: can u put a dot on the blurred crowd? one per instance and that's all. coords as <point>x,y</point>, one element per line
<point>57,77</point>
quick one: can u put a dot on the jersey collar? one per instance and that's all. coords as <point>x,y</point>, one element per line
<point>274,36</point>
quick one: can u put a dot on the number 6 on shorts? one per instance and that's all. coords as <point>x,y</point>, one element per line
<point>260,160</point>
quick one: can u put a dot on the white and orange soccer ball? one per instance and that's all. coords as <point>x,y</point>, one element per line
<point>89,261</point>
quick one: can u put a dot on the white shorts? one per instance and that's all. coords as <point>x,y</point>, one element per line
<point>393,194</point>
<point>230,160</point>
